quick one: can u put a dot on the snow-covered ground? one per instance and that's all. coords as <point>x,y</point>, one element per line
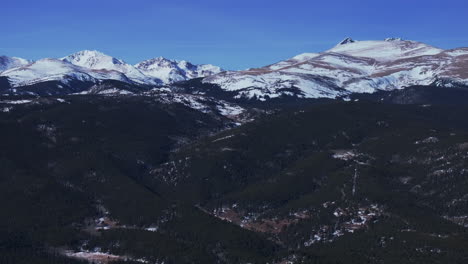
<point>16,102</point>
<point>198,102</point>
<point>98,257</point>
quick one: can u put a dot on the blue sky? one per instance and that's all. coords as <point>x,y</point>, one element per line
<point>233,34</point>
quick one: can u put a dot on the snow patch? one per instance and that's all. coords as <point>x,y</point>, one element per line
<point>16,102</point>
<point>223,138</point>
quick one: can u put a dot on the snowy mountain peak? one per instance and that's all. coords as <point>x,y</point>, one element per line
<point>170,71</point>
<point>155,62</point>
<point>350,67</point>
<point>7,63</point>
<point>394,39</point>
<point>92,59</point>
<point>98,61</point>
<point>163,62</point>
<point>161,58</point>
<point>386,50</point>
<point>93,66</point>
<point>44,70</point>
<point>346,41</point>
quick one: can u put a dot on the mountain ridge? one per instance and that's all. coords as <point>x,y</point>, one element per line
<point>352,66</point>
<point>7,63</point>
<point>100,66</point>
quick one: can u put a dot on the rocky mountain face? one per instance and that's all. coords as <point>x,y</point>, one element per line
<point>350,67</point>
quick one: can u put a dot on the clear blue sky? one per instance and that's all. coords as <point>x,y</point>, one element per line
<point>234,34</point>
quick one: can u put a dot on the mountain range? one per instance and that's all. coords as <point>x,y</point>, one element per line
<point>349,67</point>
<point>93,66</point>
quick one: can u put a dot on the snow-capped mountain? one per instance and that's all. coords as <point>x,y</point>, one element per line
<point>351,66</point>
<point>95,66</point>
<point>95,60</point>
<point>7,63</point>
<point>170,71</point>
<point>157,71</point>
<point>387,50</point>
<point>57,70</point>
